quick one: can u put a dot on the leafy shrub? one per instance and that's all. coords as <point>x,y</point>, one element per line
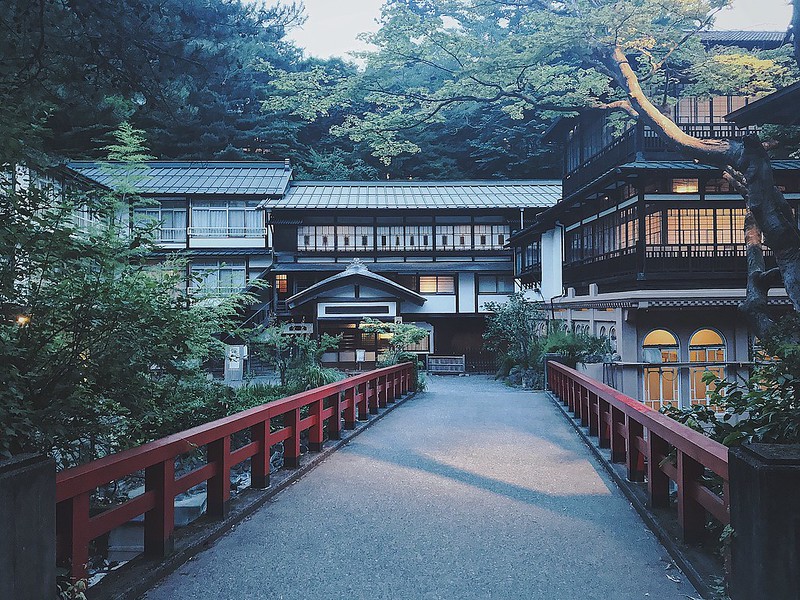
<point>765,408</point>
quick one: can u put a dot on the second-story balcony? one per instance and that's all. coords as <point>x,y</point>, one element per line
<point>651,265</point>
<point>227,232</point>
<point>641,143</point>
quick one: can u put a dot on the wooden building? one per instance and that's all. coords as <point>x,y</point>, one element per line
<point>647,249</point>
<point>332,253</point>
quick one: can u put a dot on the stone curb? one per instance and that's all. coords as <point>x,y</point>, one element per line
<point>138,576</point>
<point>677,554</point>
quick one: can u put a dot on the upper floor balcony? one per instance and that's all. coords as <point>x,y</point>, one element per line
<point>586,162</point>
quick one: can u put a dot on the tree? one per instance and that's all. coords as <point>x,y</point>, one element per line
<point>513,330</point>
<point>95,341</point>
<point>535,59</point>
<point>401,337</point>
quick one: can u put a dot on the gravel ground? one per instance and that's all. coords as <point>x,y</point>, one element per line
<point>470,490</point>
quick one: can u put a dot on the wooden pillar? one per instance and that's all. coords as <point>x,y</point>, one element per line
<point>657,480</point>
<point>219,486</point>
<point>159,523</point>
<point>691,515</point>
<point>259,464</point>
<point>617,437</point>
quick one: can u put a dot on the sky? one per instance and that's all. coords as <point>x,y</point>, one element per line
<point>333,25</point>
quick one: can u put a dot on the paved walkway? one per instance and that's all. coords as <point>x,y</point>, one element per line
<point>470,490</point>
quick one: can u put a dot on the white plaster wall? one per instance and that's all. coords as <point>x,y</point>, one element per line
<point>552,263</point>
<point>466,293</point>
<point>435,304</point>
<point>196,242</point>
<point>483,298</point>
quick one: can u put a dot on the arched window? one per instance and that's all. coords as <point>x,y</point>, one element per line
<point>660,382</point>
<point>603,332</point>
<point>706,346</point>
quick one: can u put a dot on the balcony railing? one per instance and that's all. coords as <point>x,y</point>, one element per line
<point>171,235</point>
<point>227,232</point>
<point>641,141</point>
<point>677,260</point>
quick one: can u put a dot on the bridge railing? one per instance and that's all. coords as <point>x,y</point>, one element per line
<point>339,405</point>
<point>644,440</point>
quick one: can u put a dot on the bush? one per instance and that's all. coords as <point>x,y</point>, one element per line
<point>765,408</point>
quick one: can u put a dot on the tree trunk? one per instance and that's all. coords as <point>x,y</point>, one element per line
<point>747,163</point>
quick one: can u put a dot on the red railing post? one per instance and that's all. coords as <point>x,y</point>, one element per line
<point>350,408</point>
<point>361,401</point>
<point>594,413</point>
<point>291,446</point>
<point>635,459</point>
<point>657,480</point>
<point>691,515</point>
<point>315,435</point>
<point>381,386</point>
<point>72,524</point>
<point>218,453</point>
<point>371,388</point>
<point>159,523</point>
<point>617,437</point>
<point>396,385</point>
<point>335,422</point>
<point>584,407</point>
<point>259,464</point>
<point>604,423</point>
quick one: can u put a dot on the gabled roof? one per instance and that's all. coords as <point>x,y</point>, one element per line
<point>780,108</point>
<point>241,178</point>
<point>418,194</point>
<point>355,272</point>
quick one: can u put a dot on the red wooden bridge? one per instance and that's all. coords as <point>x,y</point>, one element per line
<point>453,467</point>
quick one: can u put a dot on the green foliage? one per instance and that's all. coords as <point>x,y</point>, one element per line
<point>296,358</point>
<point>402,335</point>
<point>93,340</point>
<point>573,347</point>
<point>765,408</point>
<point>513,331</point>
<point>487,78</point>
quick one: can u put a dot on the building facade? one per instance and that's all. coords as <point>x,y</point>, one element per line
<point>333,253</point>
<point>647,249</point>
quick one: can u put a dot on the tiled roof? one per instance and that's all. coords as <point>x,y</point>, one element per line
<point>733,37</point>
<point>688,165</point>
<point>418,194</point>
<point>218,178</point>
<point>779,107</point>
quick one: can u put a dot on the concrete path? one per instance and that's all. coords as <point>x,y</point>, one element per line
<point>470,490</point>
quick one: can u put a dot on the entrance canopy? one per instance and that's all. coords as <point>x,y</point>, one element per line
<point>347,286</point>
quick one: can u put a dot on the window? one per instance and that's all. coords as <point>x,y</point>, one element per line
<point>282,283</point>
<point>437,284</point>
<point>227,218</point>
<point>495,284</point>
<point>730,225</point>
<point>317,238</point>
<point>170,218</point>
<point>685,186</point>
<point>217,278</point>
<point>660,382</point>
<point>705,346</point>
<point>652,225</point>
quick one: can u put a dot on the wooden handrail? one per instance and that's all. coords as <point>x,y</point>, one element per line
<point>353,399</point>
<point>642,438</point>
